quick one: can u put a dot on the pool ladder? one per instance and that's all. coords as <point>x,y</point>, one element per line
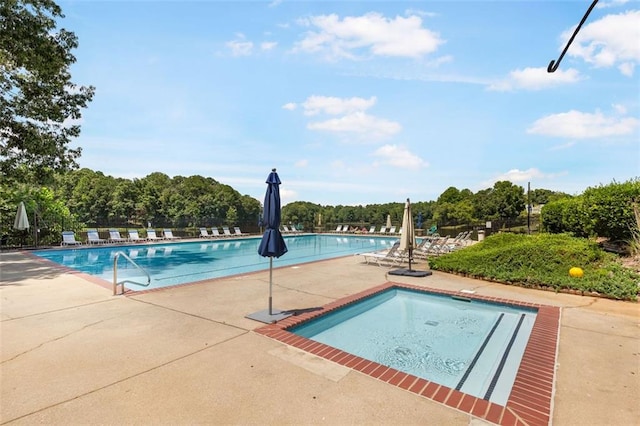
<point>115,272</point>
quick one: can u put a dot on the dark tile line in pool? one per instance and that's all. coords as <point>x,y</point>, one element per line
<point>531,397</point>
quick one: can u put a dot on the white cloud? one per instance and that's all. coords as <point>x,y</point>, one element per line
<point>372,34</point>
<point>336,106</point>
<point>620,109</point>
<point>359,123</point>
<point>521,177</point>
<point>351,120</point>
<point>398,156</point>
<point>535,79</point>
<point>609,41</point>
<point>612,3</point>
<point>240,47</point>
<point>583,125</point>
<point>268,45</point>
<point>290,106</point>
<point>563,146</point>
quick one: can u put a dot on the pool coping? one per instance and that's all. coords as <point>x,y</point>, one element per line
<point>530,401</point>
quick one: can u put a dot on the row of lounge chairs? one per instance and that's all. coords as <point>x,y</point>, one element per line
<point>69,237</point>
<point>226,232</point>
<point>287,230</point>
<point>436,245</point>
<point>348,229</point>
<point>429,246</point>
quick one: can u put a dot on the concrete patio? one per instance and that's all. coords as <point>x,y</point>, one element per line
<point>74,354</point>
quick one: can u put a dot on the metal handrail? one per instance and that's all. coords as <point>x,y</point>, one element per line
<point>115,272</point>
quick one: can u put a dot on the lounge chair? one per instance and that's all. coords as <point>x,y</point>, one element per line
<point>114,237</point>
<point>338,228</point>
<point>432,247</point>
<point>372,230</point>
<point>134,236</point>
<point>285,229</point>
<point>391,257</point>
<point>215,233</point>
<point>69,239</point>
<point>227,232</point>
<point>168,234</point>
<point>204,233</point>
<point>238,231</point>
<point>392,230</point>
<point>94,238</point>
<point>151,235</point>
<point>383,230</point>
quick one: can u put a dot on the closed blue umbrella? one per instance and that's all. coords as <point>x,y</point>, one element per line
<point>272,244</point>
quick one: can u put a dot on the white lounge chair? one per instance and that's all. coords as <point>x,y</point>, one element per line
<point>391,257</point>
<point>151,235</point>
<point>69,239</point>
<point>238,231</point>
<point>392,230</point>
<point>168,234</point>
<point>383,230</point>
<point>114,237</point>
<point>227,232</point>
<point>94,238</point>
<point>215,233</point>
<point>338,228</point>
<point>204,233</point>
<point>372,230</point>
<point>134,236</point>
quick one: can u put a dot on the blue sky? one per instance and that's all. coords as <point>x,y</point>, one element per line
<point>360,102</point>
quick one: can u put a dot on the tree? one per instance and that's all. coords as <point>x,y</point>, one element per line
<point>510,200</point>
<point>39,104</point>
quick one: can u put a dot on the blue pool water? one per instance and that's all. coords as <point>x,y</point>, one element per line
<point>472,346</point>
<point>184,262</point>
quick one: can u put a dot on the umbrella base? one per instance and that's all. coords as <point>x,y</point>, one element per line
<point>265,317</point>
<point>406,272</point>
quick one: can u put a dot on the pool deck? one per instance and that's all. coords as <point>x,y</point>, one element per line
<point>71,353</point>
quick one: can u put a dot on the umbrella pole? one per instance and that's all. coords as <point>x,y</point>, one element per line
<point>410,255</point>
<point>270,282</point>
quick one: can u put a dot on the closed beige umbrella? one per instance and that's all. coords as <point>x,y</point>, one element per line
<point>408,243</point>
<point>22,221</point>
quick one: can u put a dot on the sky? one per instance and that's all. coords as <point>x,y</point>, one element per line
<point>360,102</point>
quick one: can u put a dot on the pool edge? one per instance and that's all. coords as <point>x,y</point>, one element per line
<point>530,401</point>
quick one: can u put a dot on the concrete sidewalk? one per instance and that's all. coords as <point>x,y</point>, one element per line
<point>72,353</point>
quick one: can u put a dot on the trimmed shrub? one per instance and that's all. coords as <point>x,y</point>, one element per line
<point>543,260</point>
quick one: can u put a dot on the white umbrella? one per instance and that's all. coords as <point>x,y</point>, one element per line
<point>22,221</point>
<point>407,238</point>
<point>388,221</point>
<point>408,243</point>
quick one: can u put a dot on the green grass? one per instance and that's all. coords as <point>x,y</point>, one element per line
<point>543,260</point>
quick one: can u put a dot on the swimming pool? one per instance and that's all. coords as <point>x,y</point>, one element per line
<point>471,346</point>
<point>176,263</point>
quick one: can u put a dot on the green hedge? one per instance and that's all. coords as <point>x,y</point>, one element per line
<point>605,211</point>
<point>543,260</point>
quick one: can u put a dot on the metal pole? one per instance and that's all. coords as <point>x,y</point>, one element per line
<point>270,282</point>
<point>529,208</point>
